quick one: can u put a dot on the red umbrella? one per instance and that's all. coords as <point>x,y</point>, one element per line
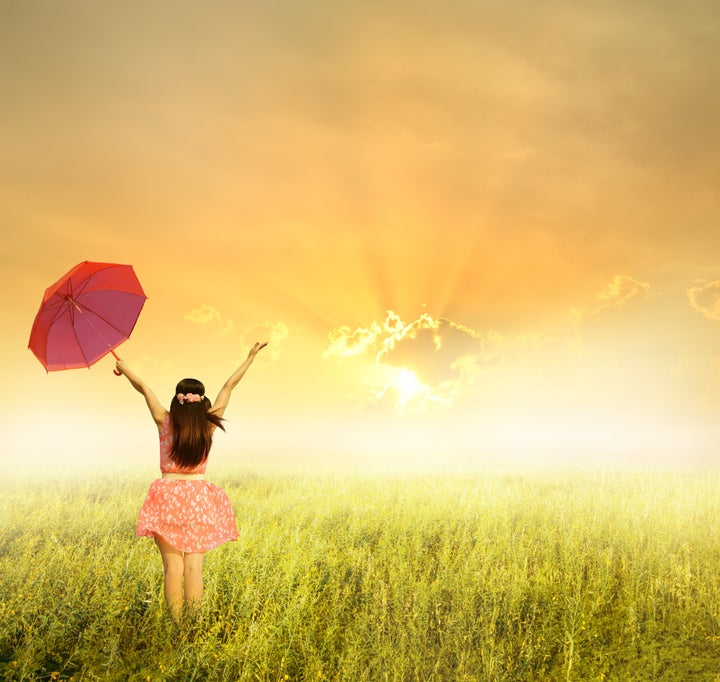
<point>87,313</point>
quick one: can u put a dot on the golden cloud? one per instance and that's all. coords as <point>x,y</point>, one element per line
<point>429,362</point>
<point>272,332</point>
<point>433,348</point>
<point>620,290</point>
<point>345,342</point>
<point>705,298</point>
<point>205,314</point>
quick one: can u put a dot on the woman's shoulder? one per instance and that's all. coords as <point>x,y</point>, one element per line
<point>165,427</point>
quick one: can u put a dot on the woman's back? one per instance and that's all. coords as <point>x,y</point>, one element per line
<point>167,464</point>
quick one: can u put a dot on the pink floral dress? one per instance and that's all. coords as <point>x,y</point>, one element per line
<point>191,515</point>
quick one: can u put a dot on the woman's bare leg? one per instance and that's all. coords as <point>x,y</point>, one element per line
<point>193,579</point>
<point>173,566</point>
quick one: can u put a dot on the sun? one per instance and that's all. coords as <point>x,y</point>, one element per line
<point>407,385</point>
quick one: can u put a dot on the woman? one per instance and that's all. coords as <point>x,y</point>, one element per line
<point>185,514</point>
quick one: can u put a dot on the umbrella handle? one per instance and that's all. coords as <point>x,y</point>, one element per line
<point>115,372</point>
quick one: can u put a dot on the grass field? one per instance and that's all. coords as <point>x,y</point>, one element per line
<point>494,576</point>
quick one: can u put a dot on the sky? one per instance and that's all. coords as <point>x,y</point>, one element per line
<point>472,232</point>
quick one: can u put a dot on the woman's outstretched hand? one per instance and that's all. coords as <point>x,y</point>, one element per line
<point>256,349</point>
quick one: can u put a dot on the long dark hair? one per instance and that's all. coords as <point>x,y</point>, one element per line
<point>192,425</point>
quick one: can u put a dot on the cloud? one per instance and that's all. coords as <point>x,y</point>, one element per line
<point>705,298</point>
<point>274,333</point>
<point>206,314</point>
<point>345,342</point>
<point>203,314</point>
<point>429,362</point>
<point>436,349</point>
<point>620,290</point>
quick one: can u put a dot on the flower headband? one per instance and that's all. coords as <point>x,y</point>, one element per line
<point>190,397</point>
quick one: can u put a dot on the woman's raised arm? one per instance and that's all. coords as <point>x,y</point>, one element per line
<point>224,396</point>
<point>157,411</point>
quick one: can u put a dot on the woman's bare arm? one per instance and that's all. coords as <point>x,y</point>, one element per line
<point>157,411</point>
<point>224,396</point>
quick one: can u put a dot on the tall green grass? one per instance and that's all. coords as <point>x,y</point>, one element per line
<point>568,576</point>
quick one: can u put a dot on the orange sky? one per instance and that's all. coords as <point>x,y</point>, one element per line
<point>470,231</point>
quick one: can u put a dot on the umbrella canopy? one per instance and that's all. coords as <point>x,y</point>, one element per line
<point>87,313</point>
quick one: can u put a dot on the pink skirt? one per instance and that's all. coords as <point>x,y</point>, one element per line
<point>191,515</point>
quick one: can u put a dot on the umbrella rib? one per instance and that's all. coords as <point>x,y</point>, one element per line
<point>83,284</point>
<point>76,292</point>
<point>80,287</point>
<point>60,309</point>
<point>92,326</point>
<point>71,303</point>
<point>84,307</point>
